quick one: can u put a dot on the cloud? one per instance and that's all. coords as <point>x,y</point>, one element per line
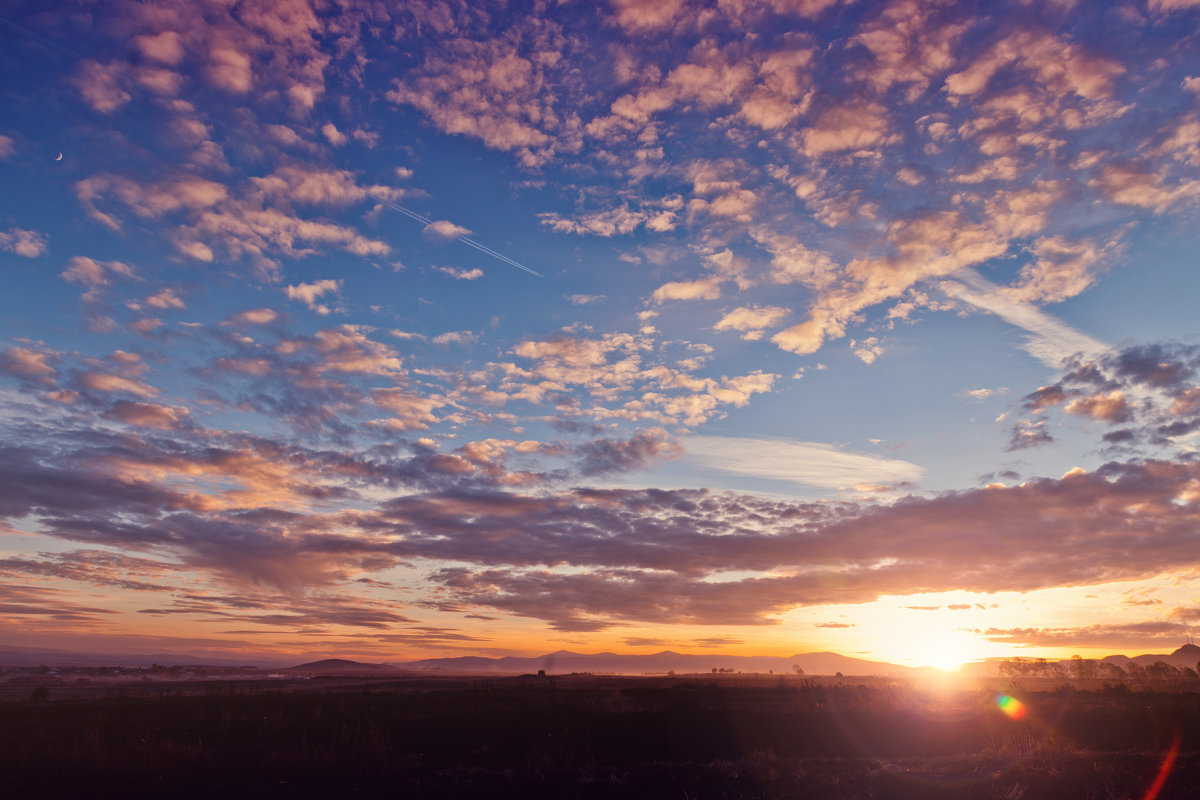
<point>97,567</point>
<point>166,299</point>
<point>254,220</point>
<point>444,230</point>
<point>7,147</point>
<point>639,16</point>
<point>165,47</point>
<point>150,200</point>
<point>333,135</point>
<point>345,349</point>
<point>867,350</point>
<point>1150,388</point>
<point>657,216</point>
<point>498,93</point>
<point>28,362</point>
<point>606,456</point>
<point>927,246</point>
<point>95,275</point>
<point>456,337</point>
<point>1167,6</point>
<point>699,289</point>
<point>309,293</point>
<point>1050,340</point>
<point>1055,63</point>
<point>1111,407</point>
<point>1113,636</point>
<point>409,410</point>
<point>585,299</point>
<point>29,244</point>
<point>751,320</point>
<point>103,86</point>
<point>807,463</point>
<point>849,126</point>
<point>458,274</point>
<point>315,186</point>
<point>149,415</point>
<point>1132,186</point>
<point>256,316</point>
<point>110,383</point>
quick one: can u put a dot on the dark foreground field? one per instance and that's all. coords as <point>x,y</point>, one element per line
<point>592,737</point>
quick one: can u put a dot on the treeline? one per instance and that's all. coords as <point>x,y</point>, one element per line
<point>1091,669</point>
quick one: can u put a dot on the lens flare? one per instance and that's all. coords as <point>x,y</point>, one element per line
<point>1011,706</point>
<point>1165,770</point>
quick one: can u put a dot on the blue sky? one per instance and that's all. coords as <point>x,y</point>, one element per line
<point>757,325</point>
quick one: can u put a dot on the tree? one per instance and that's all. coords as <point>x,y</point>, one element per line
<point>1084,668</point>
<point>40,695</point>
<point>796,669</point>
<point>1161,671</point>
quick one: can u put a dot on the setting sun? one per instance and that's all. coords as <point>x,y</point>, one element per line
<point>944,650</point>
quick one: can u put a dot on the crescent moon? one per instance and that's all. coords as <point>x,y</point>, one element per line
<point>59,157</point>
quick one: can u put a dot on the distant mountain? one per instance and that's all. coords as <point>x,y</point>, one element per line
<point>1188,651</point>
<point>565,661</point>
<point>1185,656</point>
<point>339,666</point>
<point>561,662</point>
<point>31,657</point>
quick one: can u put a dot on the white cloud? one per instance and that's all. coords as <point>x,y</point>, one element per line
<point>462,274</point>
<point>1050,339</point>
<point>867,350</point>
<point>456,337</point>
<point>808,463</point>
<point>585,299</point>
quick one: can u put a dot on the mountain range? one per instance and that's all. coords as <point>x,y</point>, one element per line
<point>563,661</point>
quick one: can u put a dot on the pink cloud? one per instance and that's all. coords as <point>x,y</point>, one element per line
<point>149,415</point>
<point>848,126</point>
<point>308,293</point>
<point>28,244</point>
<point>108,382</point>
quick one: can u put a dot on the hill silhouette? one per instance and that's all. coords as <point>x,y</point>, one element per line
<point>339,665</point>
<point>564,661</point>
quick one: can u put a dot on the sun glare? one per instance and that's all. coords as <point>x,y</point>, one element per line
<point>945,651</point>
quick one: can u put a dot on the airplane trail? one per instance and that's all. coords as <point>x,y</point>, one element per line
<point>412,214</point>
<point>464,239</point>
<point>39,38</point>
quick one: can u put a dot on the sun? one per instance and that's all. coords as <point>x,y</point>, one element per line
<point>946,651</point>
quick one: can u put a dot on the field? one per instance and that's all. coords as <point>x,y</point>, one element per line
<point>585,736</point>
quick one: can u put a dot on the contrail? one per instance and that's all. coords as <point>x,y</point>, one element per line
<point>412,214</point>
<point>38,37</point>
<point>464,239</point>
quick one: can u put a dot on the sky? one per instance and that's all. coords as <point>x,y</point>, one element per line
<point>404,330</point>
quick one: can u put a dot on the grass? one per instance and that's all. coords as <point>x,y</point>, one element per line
<point>599,738</point>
